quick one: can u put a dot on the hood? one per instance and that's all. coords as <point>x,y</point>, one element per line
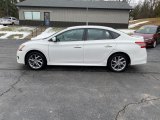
<point>145,36</point>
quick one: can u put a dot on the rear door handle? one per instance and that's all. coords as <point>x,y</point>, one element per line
<point>77,47</point>
<point>107,46</point>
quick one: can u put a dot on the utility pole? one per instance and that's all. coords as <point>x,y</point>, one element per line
<point>87,16</point>
<point>87,13</point>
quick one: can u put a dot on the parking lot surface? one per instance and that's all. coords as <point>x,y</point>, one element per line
<point>77,93</point>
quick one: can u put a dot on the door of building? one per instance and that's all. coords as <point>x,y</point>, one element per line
<point>46,18</point>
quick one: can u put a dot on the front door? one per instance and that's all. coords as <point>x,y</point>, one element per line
<point>98,46</point>
<point>46,18</point>
<point>68,50</point>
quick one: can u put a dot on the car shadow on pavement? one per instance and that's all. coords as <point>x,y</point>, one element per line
<point>131,69</point>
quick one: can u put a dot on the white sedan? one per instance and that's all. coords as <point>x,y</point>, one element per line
<point>84,46</point>
<point>9,21</point>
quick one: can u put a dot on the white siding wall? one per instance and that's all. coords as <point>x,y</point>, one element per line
<point>80,15</point>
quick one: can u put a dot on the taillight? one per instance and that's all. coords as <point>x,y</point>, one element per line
<point>141,44</point>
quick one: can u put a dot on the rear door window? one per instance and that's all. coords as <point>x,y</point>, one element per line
<point>98,34</point>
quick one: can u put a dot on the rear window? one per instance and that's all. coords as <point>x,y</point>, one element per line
<point>114,35</point>
<point>147,30</point>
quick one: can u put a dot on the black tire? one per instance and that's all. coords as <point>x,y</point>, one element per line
<point>154,44</point>
<point>115,66</point>
<point>38,62</point>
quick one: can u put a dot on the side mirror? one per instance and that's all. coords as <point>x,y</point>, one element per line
<point>53,39</point>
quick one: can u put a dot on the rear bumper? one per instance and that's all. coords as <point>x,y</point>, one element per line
<point>140,58</point>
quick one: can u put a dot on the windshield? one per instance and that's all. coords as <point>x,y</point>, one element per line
<point>49,36</point>
<point>147,30</point>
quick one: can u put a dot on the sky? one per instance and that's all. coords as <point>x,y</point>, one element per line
<point>137,1</point>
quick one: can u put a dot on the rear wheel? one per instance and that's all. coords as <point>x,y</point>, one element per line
<point>118,63</point>
<point>36,60</point>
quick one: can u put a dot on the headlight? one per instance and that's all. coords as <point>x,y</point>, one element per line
<point>148,39</point>
<point>21,47</point>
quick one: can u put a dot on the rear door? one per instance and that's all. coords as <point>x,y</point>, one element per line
<point>98,46</point>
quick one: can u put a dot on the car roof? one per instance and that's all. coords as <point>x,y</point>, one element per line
<point>91,26</point>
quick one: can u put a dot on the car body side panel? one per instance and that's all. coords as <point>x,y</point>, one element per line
<point>124,43</point>
<point>97,52</point>
<point>33,46</point>
<point>137,54</point>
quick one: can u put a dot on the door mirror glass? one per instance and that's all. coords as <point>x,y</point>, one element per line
<point>54,39</point>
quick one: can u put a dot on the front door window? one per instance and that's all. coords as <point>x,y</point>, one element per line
<point>72,35</point>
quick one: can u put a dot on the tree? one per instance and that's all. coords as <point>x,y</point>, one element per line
<point>157,9</point>
<point>147,9</point>
<point>8,8</point>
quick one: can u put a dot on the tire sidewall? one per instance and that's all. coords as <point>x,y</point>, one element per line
<point>110,59</point>
<point>44,60</point>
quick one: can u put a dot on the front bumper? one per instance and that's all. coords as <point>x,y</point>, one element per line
<point>5,23</point>
<point>20,57</point>
<point>149,43</point>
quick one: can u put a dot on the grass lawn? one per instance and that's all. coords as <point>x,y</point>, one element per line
<point>15,36</point>
<point>152,21</point>
<point>56,29</point>
<point>17,28</point>
<point>2,34</point>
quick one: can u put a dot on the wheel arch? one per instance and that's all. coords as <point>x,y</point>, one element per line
<point>128,57</point>
<point>25,59</point>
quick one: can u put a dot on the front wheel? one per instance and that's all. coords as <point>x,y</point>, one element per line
<point>118,63</point>
<point>154,44</point>
<point>36,61</point>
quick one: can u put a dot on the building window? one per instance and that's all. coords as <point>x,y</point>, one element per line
<point>28,15</point>
<point>32,16</point>
<point>36,15</point>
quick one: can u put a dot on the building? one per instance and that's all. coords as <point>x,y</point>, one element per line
<point>64,13</point>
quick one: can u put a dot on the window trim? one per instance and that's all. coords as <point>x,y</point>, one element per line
<point>32,15</point>
<point>83,36</point>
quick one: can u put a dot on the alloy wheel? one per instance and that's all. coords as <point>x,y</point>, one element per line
<point>35,61</point>
<point>118,63</point>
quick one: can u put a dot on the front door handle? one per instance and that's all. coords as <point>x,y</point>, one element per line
<point>107,46</point>
<point>77,47</point>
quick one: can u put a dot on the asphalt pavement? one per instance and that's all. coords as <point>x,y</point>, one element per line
<point>77,93</point>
